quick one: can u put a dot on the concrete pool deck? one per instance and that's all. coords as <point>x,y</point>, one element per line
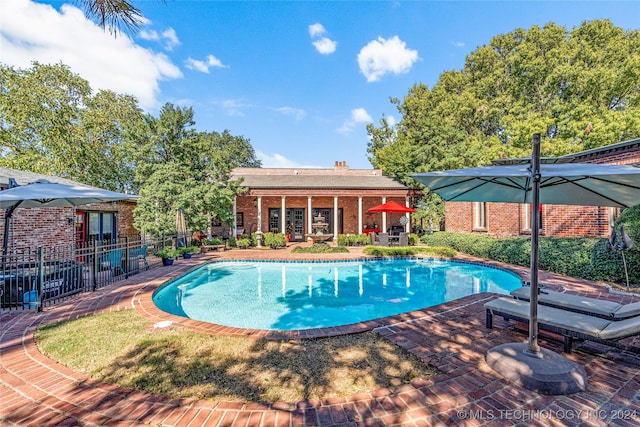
<point>37,391</point>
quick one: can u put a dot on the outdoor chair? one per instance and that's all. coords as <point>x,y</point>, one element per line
<point>571,325</point>
<point>403,239</point>
<point>383,239</point>
<point>585,305</point>
<point>140,254</point>
<point>112,260</point>
<point>374,239</point>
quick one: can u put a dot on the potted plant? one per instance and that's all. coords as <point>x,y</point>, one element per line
<point>168,254</point>
<point>187,251</point>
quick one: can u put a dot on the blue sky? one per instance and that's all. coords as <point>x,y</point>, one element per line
<point>299,79</point>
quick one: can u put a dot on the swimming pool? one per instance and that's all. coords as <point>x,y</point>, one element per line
<point>305,295</point>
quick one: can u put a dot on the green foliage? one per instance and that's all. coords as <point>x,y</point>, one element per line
<point>580,257</point>
<point>630,219</point>
<point>167,252</point>
<point>320,248</point>
<point>274,240</point>
<point>214,241</point>
<point>53,124</point>
<point>243,243</point>
<point>413,239</point>
<point>353,239</point>
<point>179,168</point>
<point>409,251</point>
<point>187,250</point>
<point>579,88</point>
<point>231,242</point>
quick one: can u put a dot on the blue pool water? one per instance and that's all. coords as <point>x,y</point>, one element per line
<point>301,295</point>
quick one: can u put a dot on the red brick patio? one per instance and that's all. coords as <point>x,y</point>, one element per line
<point>36,391</point>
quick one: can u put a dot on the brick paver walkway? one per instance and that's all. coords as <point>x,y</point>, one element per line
<point>36,391</point>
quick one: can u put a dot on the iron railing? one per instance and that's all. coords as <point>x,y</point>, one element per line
<point>33,278</point>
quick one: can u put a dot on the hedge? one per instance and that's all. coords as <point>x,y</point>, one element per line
<point>580,257</point>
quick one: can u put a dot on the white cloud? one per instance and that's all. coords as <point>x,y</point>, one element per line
<point>37,32</point>
<point>381,56</point>
<point>297,113</point>
<point>458,44</point>
<point>168,36</point>
<point>233,107</point>
<point>171,39</point>
<point>203,66</point>
<point>358,116</point>
<point>325,46</point>
<point>277,160</point>
<point>316,30</point>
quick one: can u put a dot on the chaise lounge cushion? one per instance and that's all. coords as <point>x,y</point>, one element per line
<point>558,318</point>
<point>570,302</point>
<point>628,310</point>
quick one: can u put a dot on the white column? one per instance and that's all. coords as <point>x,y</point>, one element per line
<point>407,226</point>
<point>384,217</point>
<point>235,226</point>
<point>335,218</point>
<point>283,220</point>
<point>359,214</point>
<point>259,214</point>
<point>259,228</point>
<point>309,217</point>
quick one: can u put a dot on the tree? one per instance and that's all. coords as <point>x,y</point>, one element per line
<point>53,124</point>
<point>113,14</point>
<point>580,89</point>
<point>179,168</point>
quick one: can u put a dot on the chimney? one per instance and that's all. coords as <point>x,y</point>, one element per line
<point>340,165</point>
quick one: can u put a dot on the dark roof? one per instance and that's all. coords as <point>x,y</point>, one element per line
<point>293,181</point>
<point>574,157</point>
<point>23,178</point>
<point>624,145</point>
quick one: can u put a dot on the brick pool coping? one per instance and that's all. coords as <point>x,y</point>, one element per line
<point>35,390</point>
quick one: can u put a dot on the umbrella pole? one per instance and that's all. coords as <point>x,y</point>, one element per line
<point>532,345</point>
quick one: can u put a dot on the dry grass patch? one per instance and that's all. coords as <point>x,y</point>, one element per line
<point>118,347</point>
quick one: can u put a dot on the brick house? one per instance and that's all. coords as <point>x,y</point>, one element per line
<point>336,198</point>
<point>63,226</point>
<point>511,219</point>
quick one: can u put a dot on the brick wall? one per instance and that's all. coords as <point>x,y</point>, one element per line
<point>51,227</point>
<point>507,219</point>
<point>349,206</point>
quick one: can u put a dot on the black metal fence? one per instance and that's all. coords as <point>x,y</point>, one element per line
<point>35,278</point>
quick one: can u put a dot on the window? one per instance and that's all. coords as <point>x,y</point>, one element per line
<point>526,217</point>
<point>101,226</point>
<point>479,215</point>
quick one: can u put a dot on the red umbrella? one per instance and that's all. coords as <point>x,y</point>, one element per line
<point>391,207</point>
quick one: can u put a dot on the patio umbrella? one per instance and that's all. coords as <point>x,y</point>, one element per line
<point>45,194</point>
<point>565,184</point>
<point>181,228</point>
<point>391,206</point>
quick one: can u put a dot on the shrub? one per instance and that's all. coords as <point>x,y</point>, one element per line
<point>413,239</point>
<point>320,248</point>
<point>167,252</point>
<point>353,239</point>
<point>214,241</point>
<point>580,257</point>
<point>409,250</point>
<point>231,242</point>
<point>243,243</point>
<point>274,240</point>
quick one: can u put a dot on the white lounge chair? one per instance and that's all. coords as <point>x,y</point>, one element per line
<point>571,325</point>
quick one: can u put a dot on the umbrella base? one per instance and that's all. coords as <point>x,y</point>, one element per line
<point>550,374</point>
